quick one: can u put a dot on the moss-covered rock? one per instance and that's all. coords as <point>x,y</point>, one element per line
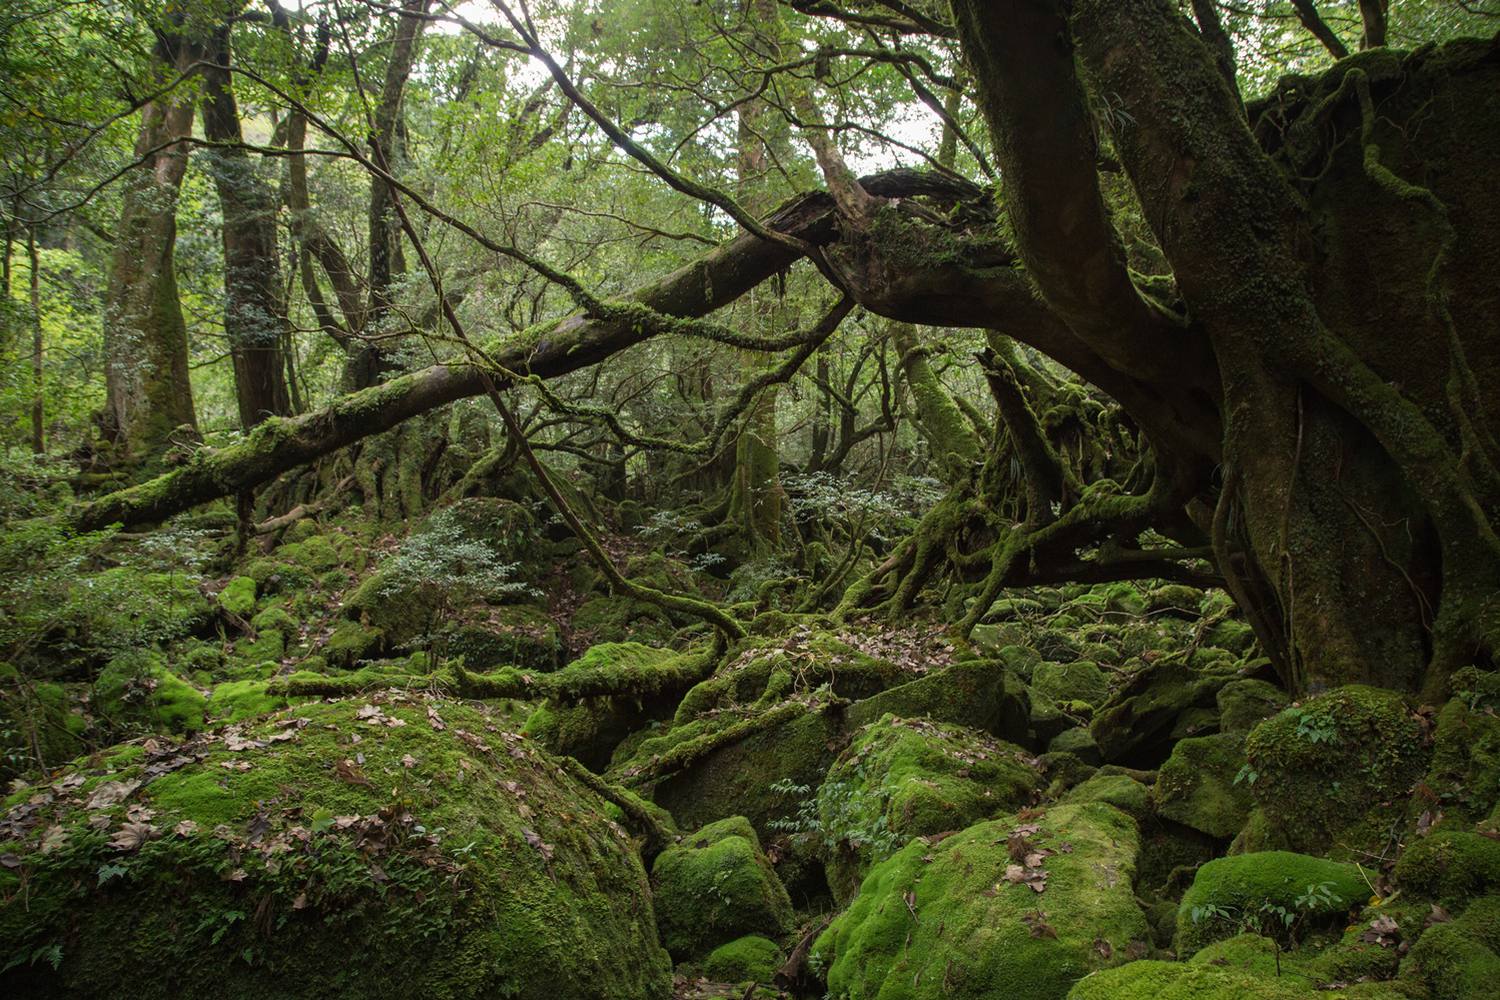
<point>1079,681</point>
<point>715,886</point>
<point>980,694</point>
<point>591,729</point>
<point>1157,980</point>
<point>1078,741</point>
<point>236,701</point>
<point>512,635</point>
<point>1460,959</point>
<point>1119,790</point>
<point>751,958</point>
<point>350,642</point>
<point>238,596</point>
<point>436,856</point>
<point>1246,702</point>
<point>137,691</point>
<point>1140,721</point>
<point>1335,772</point>
<point>1462,783</point>
<point>1450,866</point>
<point>1228,891</point>
<point>905,778</point>
<point>961,918</point>
<point>1201,785</point>
<point>621,619</point>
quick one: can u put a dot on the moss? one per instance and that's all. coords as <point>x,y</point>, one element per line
<point>1462,783</point>
<point>1081,680</point>
<point>1119,790</point>
<point>1459,960</point>
<point>39,724</point>
<point>905,778</point>
<point>1155,980</point>
<point>350,643</point>
<point>136,690</point>
<point>620,619</point>
<point>446,862</point>
<point>1234,636</point>
<point>511,635</point>
<point>1241,885</point>
<point>1450,866</point>
<point>751,958</point>
<point>316,554</point>
<point>736,779</point>
<point>1078,741</point>
<point>1136,724</point>
<point>236,701</point>
<point>273,576</point>
<point>714,886</point>
<point>980,694</point>
<point>1336,771</point>
<point>943,920</point>
<point>238,596</point>
<point>1201,785</point>
<point>1244,703</point>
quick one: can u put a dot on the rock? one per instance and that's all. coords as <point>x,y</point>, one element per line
<point>593,728</point>
<point>715,886</point>
<point>960,919</point>
<point>1135,725</point>
<point>1155,980</point>
<point>136,691</point>
<point>979,694</point>
<point>1201,785</point>
<point>1079,681</point>
<point>1119,790</point>
<point>1335,772</point>
<point>238,597</point>
<point>1462,783</point>
<point>751,958</point>
<point>1460,959</point>
<point>1078,740</point>
<point>511,635</point>
<point>905,778</point>
<point>1244,703</point>
<point>1450,867</point>
<point>1227,889</point>
<point>437,856</point>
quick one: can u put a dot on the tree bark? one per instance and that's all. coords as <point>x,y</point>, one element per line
<point>148,391</point>
<point>255,316</point>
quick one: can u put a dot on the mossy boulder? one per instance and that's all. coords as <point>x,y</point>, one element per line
<point>137,691</point>
<point>1201,785</point>
<point>236,701</point>
<point>715,886</point>
<point>1246,702</point>
<point>512,635</point>
<point>736,777</point>
<point>1335,772</point>
<point>1079,681</point>
<point>980,694</point>
<point>238,597</point>
<point>905,778</point>
<point>1462,783</point>
<point>962,919</point>
<point>350,642</point>
<point>591,729</point>
<point>1078,741</point>
<point>1460,959</point>
<point>1228,890</point>
<point>751,958</point>
<point>1140,721</point>
<point>1157,980</point>
<point>621,619</point>
<point>1450,867</point>
<point>1119,790</point>
<point>436,856</point>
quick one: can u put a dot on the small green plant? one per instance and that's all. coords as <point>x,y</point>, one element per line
<point>1281,924</point>
<point>1315,728</point>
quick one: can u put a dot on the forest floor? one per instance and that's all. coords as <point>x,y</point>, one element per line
<point>353,761</point>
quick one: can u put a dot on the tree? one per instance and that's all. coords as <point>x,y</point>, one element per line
<point>149,393</point>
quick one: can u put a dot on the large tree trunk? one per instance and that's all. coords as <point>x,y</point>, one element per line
<point>1359,465</point>
<point>371,359</point>
<point>255,316</point>
<point>145,337</point>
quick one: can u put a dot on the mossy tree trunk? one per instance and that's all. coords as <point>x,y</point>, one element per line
<point>1356,511</point>
<point>148,393</point>
<point>255,315</point>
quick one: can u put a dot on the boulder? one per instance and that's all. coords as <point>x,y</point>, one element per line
<point>714,887</point>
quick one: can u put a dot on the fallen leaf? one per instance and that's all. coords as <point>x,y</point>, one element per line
<point>186,828</point>
<point>111,793</point>
<point>131,836</point>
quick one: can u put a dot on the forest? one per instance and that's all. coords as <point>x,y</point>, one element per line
<point>692,499</point>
